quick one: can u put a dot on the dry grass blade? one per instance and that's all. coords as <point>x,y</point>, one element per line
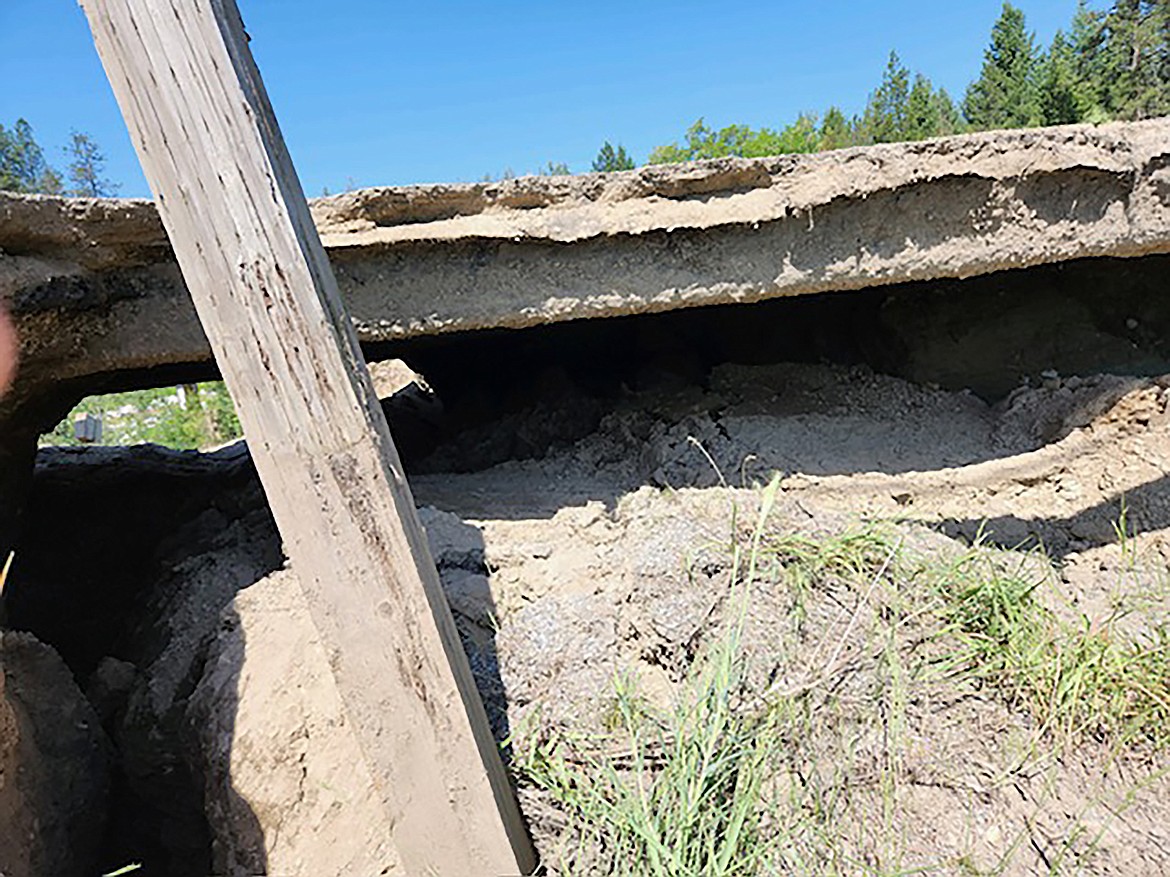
<point>3,581</point>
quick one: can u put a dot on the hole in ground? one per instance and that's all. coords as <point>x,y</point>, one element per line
<point>99,540</point>
<point>986,334</point>
<point>111,537</point>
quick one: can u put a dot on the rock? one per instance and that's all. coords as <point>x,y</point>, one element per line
<point>287,788</point>
<point>54,766</point>
<point>109,687</point>
<point>391,376</point>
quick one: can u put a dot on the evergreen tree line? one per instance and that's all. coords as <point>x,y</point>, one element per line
<point>23,167</point>
<point>1108,64</point>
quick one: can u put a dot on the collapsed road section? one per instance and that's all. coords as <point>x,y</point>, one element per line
<point>100,303</point>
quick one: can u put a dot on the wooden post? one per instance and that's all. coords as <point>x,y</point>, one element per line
<point>235,213</point>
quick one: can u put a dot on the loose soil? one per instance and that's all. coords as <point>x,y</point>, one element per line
<point>583,534</point>
<point>599,561</point>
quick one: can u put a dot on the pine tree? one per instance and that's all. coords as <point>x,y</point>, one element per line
<point>1136,58</point>
<point>86,167</point>
<point>1086,40</point>
<point>884,120</point>
<point>1005,94</point>
<point>610,159</point>
<point>923,117</point>
<point>1059,84</point>
<point>950,119</point>
<point>1113,64</point>
<point>22,162</point>
<point>836,131</point>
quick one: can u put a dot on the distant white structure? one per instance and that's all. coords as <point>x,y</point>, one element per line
<point>87,428</point>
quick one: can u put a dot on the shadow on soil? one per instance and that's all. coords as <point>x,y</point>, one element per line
<point>128,567</point>
<point>1143,509</point>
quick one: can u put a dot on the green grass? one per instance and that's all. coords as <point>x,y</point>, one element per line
<point>732,780</point>
<point>674,795</point>
<point>806,773</point>
<point>679,794</point>
<point>1079,681</point>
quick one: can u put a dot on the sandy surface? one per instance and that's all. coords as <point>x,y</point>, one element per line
<point>604,558</point>
<point>605,552</point>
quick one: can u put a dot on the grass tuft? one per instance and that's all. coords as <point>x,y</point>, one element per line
<point>671,795</point>
<point>1078,681</point>
<point>807,768</point>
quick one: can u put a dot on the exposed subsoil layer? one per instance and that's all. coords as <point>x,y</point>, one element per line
<point>99,301</point>
<point>564,502</point>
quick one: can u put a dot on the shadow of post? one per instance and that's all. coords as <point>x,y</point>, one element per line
<point>237,843</point>
<point>460,555</point>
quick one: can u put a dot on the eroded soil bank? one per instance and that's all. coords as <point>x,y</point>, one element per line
<point>99,300</point>
<point>580,489</point>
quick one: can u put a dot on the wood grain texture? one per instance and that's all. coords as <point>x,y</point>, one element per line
<point>235,213</point>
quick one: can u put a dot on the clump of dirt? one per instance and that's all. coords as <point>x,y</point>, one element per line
<point>54,765</point>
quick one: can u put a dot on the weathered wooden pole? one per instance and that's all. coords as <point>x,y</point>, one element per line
<point>235,213</point>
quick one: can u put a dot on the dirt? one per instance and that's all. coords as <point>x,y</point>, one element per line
<point>286,787</point>
<point>54,765</point>
<point>101,306</point>
<point>585,537</point>
<point>594,561</point>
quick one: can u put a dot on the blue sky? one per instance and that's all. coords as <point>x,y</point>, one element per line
<point>371,93</point>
